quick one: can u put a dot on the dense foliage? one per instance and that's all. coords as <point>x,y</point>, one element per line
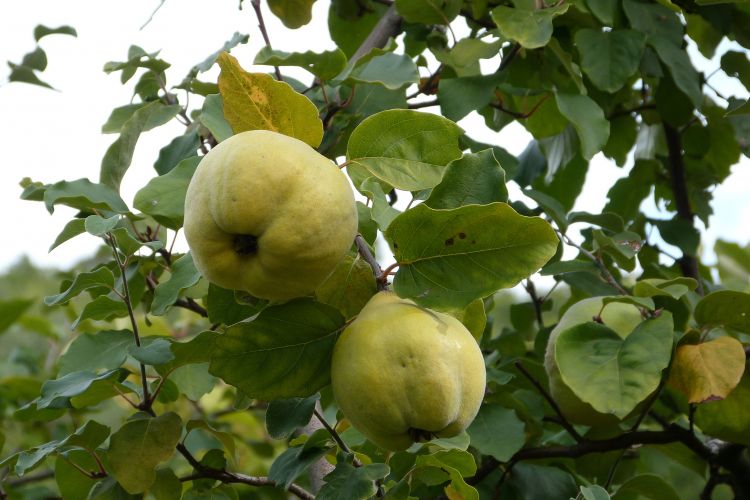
<point>135,377</point>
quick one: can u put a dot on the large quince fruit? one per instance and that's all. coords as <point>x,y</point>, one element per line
<point>267,214</point>
<point>402,373</point>
<point>620,317</point>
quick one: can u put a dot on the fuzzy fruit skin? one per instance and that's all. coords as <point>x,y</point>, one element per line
<point>295,202</point>
<point>400,371</point>
<point>620,317</point>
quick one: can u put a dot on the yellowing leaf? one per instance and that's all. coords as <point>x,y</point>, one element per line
<point>708,371</point>
<point>255,101</point>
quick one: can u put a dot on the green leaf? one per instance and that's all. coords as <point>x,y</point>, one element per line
<point>101,277</point>
<point>646,486</point>
<point>458,464</point>
<point>294,461</point>
<point>428,11</point>
<point>460,96</point>
<point>610,373</point>
<point>284,416</point>
<point>93,351</point>
<point>120,116</point>
<point>139,446</point>
<point>382,212</point>
<point>728,419</point>
<point>293,13</point>
<point>285,352</point>
<point>448,258</point>
<point>109,489</point>
<point>530,28</point>
<point>724,308</point>
<point>540,482</point>
<point>680,233</point>
<point>381,67</point>
<point>594,492</point>
<point>24,74</point>
<point>237,39</point>
<point>99,226</point>
<point>644,302</point>
<point>604,10</point>
<point>325,65</point>
<point>11,310</point>
<point>742,109</point>
<point>654,19</point>
<point>610,58</point>
<point>347,482</point>
<point>255,101</point>
<point>349,286</point>
<point>193,380</point>
<point>83,195</point>
<point>184,275</point>
<point>163,198</point>
<point>588,120</point>
<point>497,431</point>
<point>156,352</point>
<point>59,391</point>
<point>674,288</point>
<point>40,31</point>
<point>212,116</point>
<point>119,155</point>
<point>473,179</point>
<point>406,149</point>
<point>195,351</point>
<point>225,438</point>
<point>678,62</point>
<point>182,147</point>
<point>223,307</point>
<point>101,308</point>
<point>72,229</point>
<point>709,370</point>
<point>72,484</point>
<point>35,60</point>
<point>167,485</point>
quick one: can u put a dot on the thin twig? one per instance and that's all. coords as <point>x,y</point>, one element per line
<point>264,33</point>
<point>563,421</point>
<point>336,437</point>
<point>202,471</point>
<point>608,277</point>
<point>364,250</point>
<point>126,292</point>
<point>535,301</point>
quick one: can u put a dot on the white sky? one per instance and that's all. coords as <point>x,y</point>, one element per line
<point>51,136</point>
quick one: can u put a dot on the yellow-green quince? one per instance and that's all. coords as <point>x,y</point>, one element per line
<point>267,214</point>
<point>402,373</point>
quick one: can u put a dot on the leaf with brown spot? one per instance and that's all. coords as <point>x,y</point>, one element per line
<point>708,371</point>
<point>255,101</point>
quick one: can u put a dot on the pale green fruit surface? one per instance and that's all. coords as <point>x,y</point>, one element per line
<point>267,214</point>
<point>620,317</point>
<point>402,373</point>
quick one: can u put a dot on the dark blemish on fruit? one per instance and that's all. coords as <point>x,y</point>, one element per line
<point>462,235</point>
<point>449,242</point>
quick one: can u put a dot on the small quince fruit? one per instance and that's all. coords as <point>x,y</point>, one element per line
<point>402,373</point>
<point>267,214</point>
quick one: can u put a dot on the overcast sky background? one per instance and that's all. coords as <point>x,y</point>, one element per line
<point>56,135</point>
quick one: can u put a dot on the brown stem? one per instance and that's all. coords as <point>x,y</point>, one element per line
<point>563,421</point>
<point>608,277</point>
<point>536,302</point>
<point>145,401</point>
<point>264,33</point>
<point>678,182</point>
<point>364,250</point>
<point>202,471</point>
<point>389,25</point>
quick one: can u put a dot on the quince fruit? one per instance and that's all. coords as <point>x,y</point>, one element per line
<point>620,317</point>
<point>402,373</point>
<point>267,214</point>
